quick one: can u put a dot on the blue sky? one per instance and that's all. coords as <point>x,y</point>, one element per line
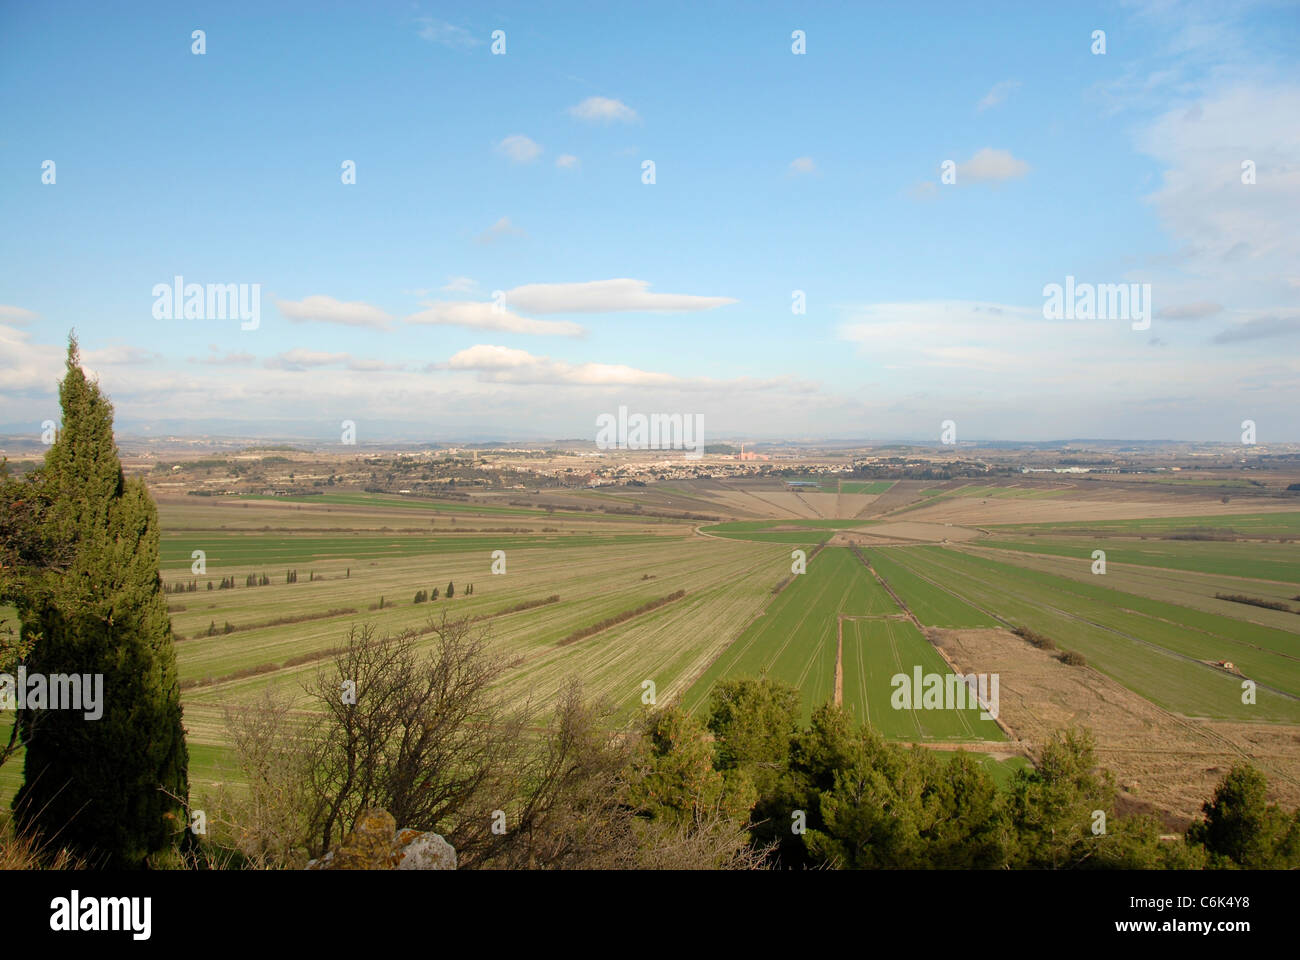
<point>774,172</point>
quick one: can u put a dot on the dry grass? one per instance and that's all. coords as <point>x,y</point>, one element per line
<point>21,851</point>
<point>1162,761</point>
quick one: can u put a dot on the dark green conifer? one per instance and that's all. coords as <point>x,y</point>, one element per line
<point>113,788</point>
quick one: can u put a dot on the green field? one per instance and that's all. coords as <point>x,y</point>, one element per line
<point>796,637</point>
<point>1155,648</point>
<point>1282,524</point>
<point>252,552</point>
<point>932,605</point>
<point>877,650</point>
<point>1152,622</point>
<point>797,530</point>
<point>866,486</point>
<point>726,584</point>
<point>804,538</point>
<point>389,502</point>
<point>1260,561</point>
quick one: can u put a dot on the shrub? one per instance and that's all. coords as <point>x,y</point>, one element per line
<point>1254,601</point>
<point>1037,639</point>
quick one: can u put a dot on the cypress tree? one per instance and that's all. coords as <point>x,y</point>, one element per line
<point>112,788</point>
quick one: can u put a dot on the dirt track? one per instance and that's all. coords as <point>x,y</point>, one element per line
<point>1161,760</point>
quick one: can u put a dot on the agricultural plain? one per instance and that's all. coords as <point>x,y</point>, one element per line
<point>659,592</point>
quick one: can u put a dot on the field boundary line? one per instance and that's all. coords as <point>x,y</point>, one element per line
<point>1181,626</point>
<point>1190,723</point>
<point>939,650</point>
<point>999,551</point>
<point>762,611</point>
<point>839,662</point>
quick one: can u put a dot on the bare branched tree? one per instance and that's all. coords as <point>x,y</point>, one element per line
<point>415,723</point>
<point>268,825</point>
<point>423,734</point>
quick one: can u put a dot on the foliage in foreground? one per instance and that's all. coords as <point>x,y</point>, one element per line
<point>80,563</point>
<point>747,786</point>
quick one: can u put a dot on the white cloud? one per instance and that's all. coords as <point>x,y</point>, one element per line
<point>566,161</point>
<point>322,309</point>
<point>374,365</point>
<point>120,355</point>
<point>996,95</point>
<point>604,110</point>
<point>499,230</point>
<point>605,296</point>
<point>457,285</point>
<point>947,333</point>
<point>991,165</point>
<point>1260,328</point>
<point>229,359</point>
<point>27,366</point>
<point>803,165</point>
<point>923,190</point>
<point>1191,311</point>
<point>301,359</point>
<point>1238,241</point>
<point>1002,369</point>
<point>507,365</point>
<point>486,316</point>
<point>10,314</point>
<point>447,34</point>
<point>519,148</point>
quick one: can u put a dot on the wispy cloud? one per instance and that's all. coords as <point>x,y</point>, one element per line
<point>1240,238</point>
<point>1260,328</point>
<point>303,359</point>
<point>507,365</point>
<point>606,296</point>
<point>446,34</point>
<point>989,165</point>
<point>566,161</point>
<point>120,356</point>
<point>25,365</point>
<point>604,110</point>
<point>500,230</point>
<point>11,314</point>
<point>229,359</point>
<point>996,95</point>
<point>323,309</point>
<point>487,316</point>
<point>803,165</point>
<point>1190,311</point>
<point>519,148</point>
